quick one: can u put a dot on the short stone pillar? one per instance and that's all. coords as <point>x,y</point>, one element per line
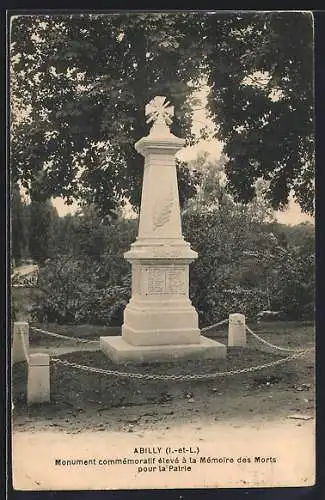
<point>38,382</point>
<point>20,344</point>
<point>237,330</point>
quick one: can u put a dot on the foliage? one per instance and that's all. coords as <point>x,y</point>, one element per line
<point>211,192</point>
<point>247,262</point>
<point>221,237</point>
<point>73,295</point>
<point>294,289</point>
<point>243,267</point>
<point>268,125</point>
<point>80,83</point>
<point>89,280</point>
<point>43,220</point>
<point>19,226</point>
<point>33,228</point>
<point>88,94</point>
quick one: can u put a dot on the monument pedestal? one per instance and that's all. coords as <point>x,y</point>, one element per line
<point>120,351</point>
<point>160,322</point>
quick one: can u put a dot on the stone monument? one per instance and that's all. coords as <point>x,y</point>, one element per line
<point>160,322</point>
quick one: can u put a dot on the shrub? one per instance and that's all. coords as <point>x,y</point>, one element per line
<point>73,295</point>
<point>89,281</point>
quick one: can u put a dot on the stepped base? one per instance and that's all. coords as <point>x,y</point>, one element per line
<point>120,351</point>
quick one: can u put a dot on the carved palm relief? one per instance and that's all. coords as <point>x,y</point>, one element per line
<point>162,210</point>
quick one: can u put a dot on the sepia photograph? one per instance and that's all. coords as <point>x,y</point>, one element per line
<point>162,249</point>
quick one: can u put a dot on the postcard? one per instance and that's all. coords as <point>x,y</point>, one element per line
<point>162,250</point>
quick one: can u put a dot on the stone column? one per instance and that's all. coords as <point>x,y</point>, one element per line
<point>160,321</point>
<point>237,330</point>
<point>38,382</point>
<point>20,343</point>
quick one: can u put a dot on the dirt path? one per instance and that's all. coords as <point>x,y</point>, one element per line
<point>212,454</point>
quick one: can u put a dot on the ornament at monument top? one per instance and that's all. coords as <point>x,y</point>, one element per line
<point>160,112</point>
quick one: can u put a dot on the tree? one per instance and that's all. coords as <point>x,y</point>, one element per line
<point>262,98</point>
<point>218,285</point>
<point>222,231</point>
<point>211,192</point>
<point>88,94</point>
<point>247,261</point>
<point>88,78</point>
<point>19,226</point>
<point>294,290</point>
<point>42,232</point>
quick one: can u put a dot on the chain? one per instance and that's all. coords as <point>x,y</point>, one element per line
<point>202,376</point>
<point>206,328</point>
<point>86,341</point>
<point>78,339</point>
<point>272,345</point>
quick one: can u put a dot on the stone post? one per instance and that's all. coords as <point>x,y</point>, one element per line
<point>20,344</point>
<point>160,321</point>
<point>237,330</point>
<point>38,383</point>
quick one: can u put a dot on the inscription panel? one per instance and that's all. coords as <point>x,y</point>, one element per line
<point>176,281</point>
<point>164,281</point>
<point>156,281</point>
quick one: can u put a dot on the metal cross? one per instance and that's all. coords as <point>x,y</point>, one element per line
<point>159,110</point>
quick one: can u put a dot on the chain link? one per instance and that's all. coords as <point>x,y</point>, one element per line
<point>204,376</point>
<point>58,335</point>
<point>206,328</point>
<point>260,339</point>
<point>201,376</point>
<point>86,341</point>
<point>78,339</point>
